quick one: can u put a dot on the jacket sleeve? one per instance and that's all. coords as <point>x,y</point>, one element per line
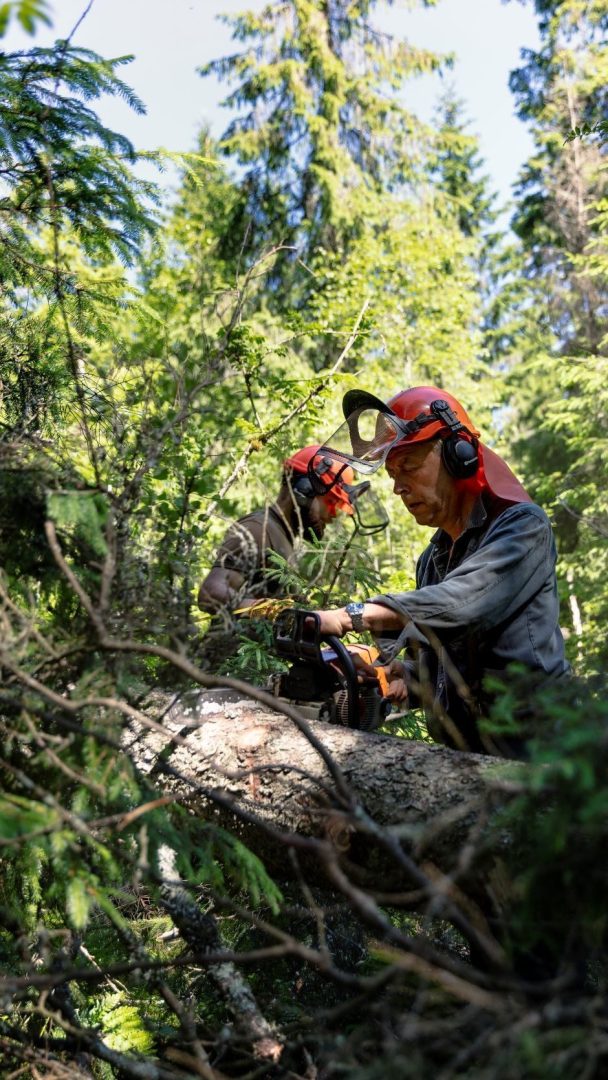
<point>240,549</point>
<point>511,564</point>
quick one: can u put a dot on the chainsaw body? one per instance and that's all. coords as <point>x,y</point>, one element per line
<point>327,683</point>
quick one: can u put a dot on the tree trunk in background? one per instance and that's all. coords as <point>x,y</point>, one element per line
<point>265,766</point>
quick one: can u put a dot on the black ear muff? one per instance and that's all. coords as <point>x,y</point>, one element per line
<point>460,456</point>
<point>302,491</point>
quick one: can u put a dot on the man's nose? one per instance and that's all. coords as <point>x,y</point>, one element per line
<point>399,486</point>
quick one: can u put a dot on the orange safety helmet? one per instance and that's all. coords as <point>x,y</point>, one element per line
<point>374,429</point>
<point>418,404</point>
<point>335,479</point>
<point>431,414</point>
<point>463,455</point>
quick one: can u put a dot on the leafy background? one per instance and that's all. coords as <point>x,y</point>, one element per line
<point>157,363</point>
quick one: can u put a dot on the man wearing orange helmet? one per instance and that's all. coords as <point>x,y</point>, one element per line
<point>243,569</point>
<point>486,590</point>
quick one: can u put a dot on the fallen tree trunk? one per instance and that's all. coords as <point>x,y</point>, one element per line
<point>243,766</point>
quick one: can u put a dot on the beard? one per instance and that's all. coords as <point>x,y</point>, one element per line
<point>312,529</point>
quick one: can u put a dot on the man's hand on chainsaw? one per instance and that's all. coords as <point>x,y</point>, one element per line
<point>397,686</point>
<point>395,677</point>
<point>337,622</point>
<point>334,621</point>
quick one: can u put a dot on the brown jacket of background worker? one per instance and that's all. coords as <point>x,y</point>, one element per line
<point>244,570</point>
<point>486,589</point>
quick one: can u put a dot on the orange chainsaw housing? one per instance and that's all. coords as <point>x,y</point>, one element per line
<point>328,679</point>
<point>369,655</point>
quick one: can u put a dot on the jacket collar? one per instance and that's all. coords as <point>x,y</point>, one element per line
<point>477,519</point>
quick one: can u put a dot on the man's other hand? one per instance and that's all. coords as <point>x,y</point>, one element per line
<point>397,686</point>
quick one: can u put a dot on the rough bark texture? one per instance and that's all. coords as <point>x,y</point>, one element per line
<point>433,798</point>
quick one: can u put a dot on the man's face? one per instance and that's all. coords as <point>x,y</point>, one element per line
<point>315,518</point>
<point>422,483</point>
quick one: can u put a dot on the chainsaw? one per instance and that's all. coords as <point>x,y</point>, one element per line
<point>330,683</point>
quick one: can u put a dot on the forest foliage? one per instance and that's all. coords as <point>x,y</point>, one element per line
<point>158,360</point>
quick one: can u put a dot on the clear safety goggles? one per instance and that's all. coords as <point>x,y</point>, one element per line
<point>369,513</point>
<point>360,502</point>
<point>365,439</point>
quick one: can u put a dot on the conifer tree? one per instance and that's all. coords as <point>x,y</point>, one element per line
<point>457,168</point>
<point>69,193</point>
<point>558,383</point>
<point>558,88</point>
<point>317,134</point>
<point>334,164</point>
<point>458,173</point>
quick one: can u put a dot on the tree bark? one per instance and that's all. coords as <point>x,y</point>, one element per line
<point>251,770</point>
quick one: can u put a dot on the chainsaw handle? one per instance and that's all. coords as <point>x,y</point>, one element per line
<point>296,635</point>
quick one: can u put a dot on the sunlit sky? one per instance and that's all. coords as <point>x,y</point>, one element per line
<point>171,38</point>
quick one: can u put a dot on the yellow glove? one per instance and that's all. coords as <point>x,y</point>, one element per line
<point>265,608</point>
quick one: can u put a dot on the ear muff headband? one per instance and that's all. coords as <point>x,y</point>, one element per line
<point>319,467</point>
<point>303,488</point>
<point>459,455</point>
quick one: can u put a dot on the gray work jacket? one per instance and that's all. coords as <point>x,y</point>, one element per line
<point>481,604</point>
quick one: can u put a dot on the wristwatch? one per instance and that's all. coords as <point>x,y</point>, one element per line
<point>355,610</point>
